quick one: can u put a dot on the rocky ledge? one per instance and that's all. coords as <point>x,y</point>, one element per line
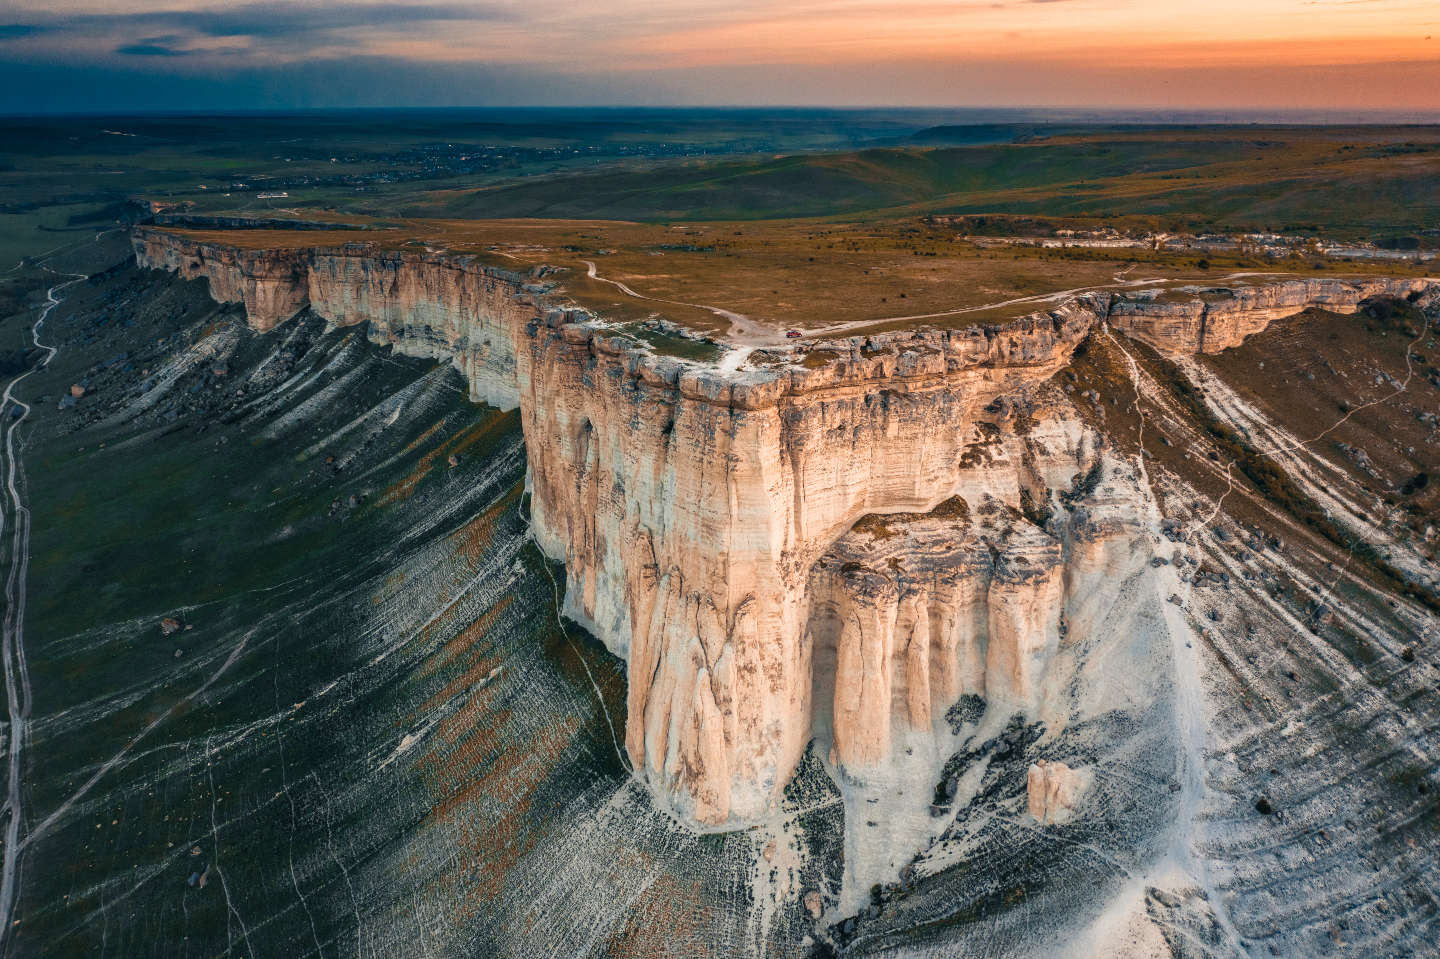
<point>836,554</point>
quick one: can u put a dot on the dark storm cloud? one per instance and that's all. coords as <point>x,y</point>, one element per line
<point>287,19</point>
<point>261,20</point>
<point>150,50</point>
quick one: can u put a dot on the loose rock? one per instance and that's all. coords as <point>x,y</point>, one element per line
<point>1051,787</point>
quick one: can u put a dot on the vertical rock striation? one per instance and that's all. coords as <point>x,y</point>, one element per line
<point>1050,788</point>
<point>708,520</point>
<point>689,508</point>
<point>426,305</point>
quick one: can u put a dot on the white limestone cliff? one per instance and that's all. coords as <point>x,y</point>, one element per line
<point>708,520</point>
<point>426,305</point>
<point>1211,320</point>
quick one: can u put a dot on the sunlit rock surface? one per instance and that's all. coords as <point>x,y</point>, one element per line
<point>857,606</point>
<point>1211,320</point>
<point>1051,789</point>
<point>688,505</point>
<point>428,306</point>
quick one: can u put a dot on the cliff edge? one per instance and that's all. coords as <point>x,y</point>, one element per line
<point>839,554</point>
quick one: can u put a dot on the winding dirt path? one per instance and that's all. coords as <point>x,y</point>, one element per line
<point>737,320</point>
<point>748,334</point>
<point>12,643</point>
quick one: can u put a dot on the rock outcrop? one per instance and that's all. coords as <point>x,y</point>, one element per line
<point>708,520</point>
<point>690,507</point>
<point>1050,788</point>
<point>425,304</point>
<point>272,284</point>
<point>916,610</point>
<point>1212,320</point>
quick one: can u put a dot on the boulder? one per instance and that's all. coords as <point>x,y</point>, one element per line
<point>814,903</point>
<point>168,626</point>
<point>1051,787</point>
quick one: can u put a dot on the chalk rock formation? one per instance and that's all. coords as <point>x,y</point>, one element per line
<point>705,518</point>
<point>908,613</point>
<point>426,305</point>
<point>273,284</point>
<point>690,507</point>
<point>1209,321</point>
<point>1051,787</point>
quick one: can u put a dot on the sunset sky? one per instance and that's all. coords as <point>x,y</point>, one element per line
<point>139,54</point>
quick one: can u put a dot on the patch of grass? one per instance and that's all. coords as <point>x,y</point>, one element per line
<point>680,347</point>
<point>875,525</point>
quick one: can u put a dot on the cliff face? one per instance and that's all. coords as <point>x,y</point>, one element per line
<point>429,306</point>
<point>708,521</point>
<point>1210,321</point>
<point>273,284</point>
<point>690,509</point>
<point>426,305</point>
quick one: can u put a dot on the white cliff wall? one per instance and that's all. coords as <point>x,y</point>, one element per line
<point>271,283</point>
<point>1218,319</point>
<point>704,519</point>
<point>689,508</point>
<point>425,305</point>
<point>910,612</point>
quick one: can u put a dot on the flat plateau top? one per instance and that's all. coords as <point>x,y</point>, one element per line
<point>750,282</point>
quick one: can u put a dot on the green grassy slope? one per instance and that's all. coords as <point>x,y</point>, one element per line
<point>1234,178</point>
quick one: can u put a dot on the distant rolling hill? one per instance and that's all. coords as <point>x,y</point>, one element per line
<point>1364,178</point>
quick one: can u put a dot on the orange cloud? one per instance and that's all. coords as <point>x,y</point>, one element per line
<point>931,52</point>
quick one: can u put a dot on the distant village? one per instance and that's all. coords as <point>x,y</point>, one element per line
<point>1031,232</point>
